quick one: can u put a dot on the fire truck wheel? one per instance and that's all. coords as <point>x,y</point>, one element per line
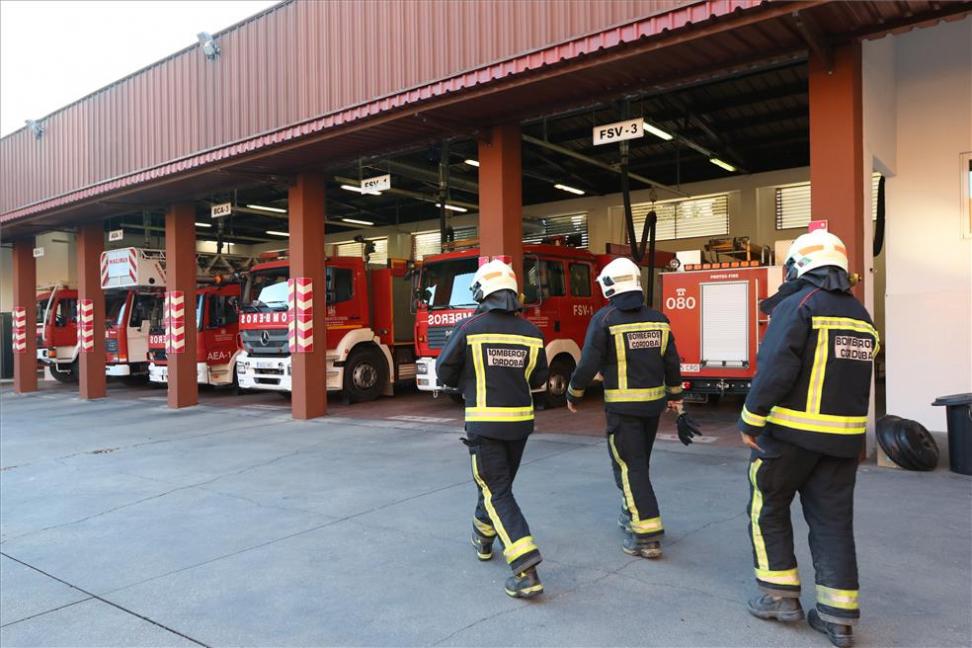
<point>68,377</point>
<point>364,375</point>
<point>557,381</point>
<point>457,399</point>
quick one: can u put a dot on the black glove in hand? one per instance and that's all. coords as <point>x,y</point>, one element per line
<point>687,428</point>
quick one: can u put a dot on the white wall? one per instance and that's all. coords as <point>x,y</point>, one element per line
<point>918,120</point>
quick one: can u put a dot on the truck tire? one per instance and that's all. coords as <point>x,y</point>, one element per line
<point>68,377</point>
<point>457,399</point>
<point>364,375</point>
<point>558,380</point>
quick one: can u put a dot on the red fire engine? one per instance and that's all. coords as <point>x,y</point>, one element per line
<point>217,338</point>
<point>57,332</point>
<point>368,328</point>
<point>714,311</point>
<point>134,283</point>
<point>560,296</point>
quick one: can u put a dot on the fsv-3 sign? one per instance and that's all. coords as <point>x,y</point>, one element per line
<point>619,131</point>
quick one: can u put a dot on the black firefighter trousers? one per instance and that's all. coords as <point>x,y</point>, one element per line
<point>494,466</point>
<point>630,440</point>
<point>826,487</point>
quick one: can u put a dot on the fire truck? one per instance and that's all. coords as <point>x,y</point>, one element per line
<point>217,338</point>
<point>57,332</point>
<point>368,328</point>
<point>714,311</point>
<point>133,281</point>
<point>560,297</point>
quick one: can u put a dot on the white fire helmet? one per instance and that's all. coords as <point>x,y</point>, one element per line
<point>620,276</point>
<point>812,250</point>
<point>491,277</point>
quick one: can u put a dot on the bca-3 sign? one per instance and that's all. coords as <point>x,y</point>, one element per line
<point>619,131</point>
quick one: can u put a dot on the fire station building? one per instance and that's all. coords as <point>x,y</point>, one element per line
<point>383,128</point>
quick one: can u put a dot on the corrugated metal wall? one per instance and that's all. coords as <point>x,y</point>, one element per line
<point>302,60</point>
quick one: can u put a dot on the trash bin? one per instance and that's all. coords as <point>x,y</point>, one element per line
<point>958,415</point>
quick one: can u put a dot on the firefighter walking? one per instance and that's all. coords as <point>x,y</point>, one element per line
<point>804,420</point>
<point>633,348</point>
<point>495,357</point>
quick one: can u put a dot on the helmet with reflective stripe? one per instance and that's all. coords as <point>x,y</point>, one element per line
<point>491,277</point>
<point>812,250</point>
<point>620,276</point>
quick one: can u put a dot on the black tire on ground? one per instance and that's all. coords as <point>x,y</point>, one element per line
<point>558,379</point>
<point>457,399</point>
<point>67,377</point>
<point>364,375</point>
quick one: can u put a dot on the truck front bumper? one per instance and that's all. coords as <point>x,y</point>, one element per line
<point>274,373</point>
<point>160,373</point>
<point>118,370</point>
<point>426,378</point>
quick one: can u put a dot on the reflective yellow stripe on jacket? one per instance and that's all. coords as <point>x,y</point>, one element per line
<point>814,422</point>
<point>639,395</point>
<point>499,414</point>
<point>622,393</point>
<point>482,412</point>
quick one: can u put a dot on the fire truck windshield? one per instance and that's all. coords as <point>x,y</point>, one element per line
<point>445,284</point>
<point>267,289</point>
<point>42,310</point>
<point>114,308</point>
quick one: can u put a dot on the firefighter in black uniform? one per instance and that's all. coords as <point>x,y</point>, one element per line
<point>633,348</point>
<point>804,419</point>
<point>495,357</point>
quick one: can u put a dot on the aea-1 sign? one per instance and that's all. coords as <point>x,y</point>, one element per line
<point>378,183</point>
<point>619,131</point>
<point>222,209</point>
<point>116,235</point>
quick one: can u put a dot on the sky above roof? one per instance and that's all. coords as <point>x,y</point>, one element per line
<point>54,53</point>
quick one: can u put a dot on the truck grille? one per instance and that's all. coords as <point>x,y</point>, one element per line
<point>276,343</point>
<point>157,354</point>
<point>438,336</point>
<point>111,345</point>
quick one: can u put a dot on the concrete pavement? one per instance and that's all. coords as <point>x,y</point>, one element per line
<point>125,523</point>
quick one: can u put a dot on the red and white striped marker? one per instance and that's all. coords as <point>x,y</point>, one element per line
<point>175,321</point>
<point>86,324</point>
<point>300,306</point>
<point>19,316</point>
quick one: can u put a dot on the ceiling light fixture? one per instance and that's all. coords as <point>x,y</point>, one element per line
<point>275,210</point>
<point>569,189</point>
<point>359,190</point>
<point>453,208</point>
<point>276,233</point>
<point>355,221</point>
<point>724,165</point>
<point>471,162</point>
<point>657,132</point>
<point>204,224</point>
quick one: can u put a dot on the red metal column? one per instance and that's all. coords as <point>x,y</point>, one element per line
<point>501,195</point>
<point>308,373</point>
<point>90,241</point>
<point>24,316</point>
<point>837,150</point>
<point>180,284</point>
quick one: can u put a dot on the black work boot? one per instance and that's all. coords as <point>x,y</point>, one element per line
<point>841,636</point>
<point>483,544</point>
<point>526,584</point>
<point>650,549</point>
<point>776,608</point>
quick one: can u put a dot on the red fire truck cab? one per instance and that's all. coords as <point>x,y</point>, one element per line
<point>560,296</point>
<point>368,328</point>
<point>715,316</point>
<point>57,332</point>
<point>217,338</point>
<point>133,281</point>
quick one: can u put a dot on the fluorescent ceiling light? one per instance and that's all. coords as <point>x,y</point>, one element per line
<point>204,225</point>
<point>657,132</point>
<point>453,208</point>
<point>275,210</point>
<point>474,163</point>
<point>276,233</point>
<point>568,189</point>
<point>355,221</point>
<point>360,190</point>
<point>721,164</point>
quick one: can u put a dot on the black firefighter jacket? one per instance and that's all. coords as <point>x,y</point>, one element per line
<point>495,358</point>
<point>813,377</point>
<point>633,348</point>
